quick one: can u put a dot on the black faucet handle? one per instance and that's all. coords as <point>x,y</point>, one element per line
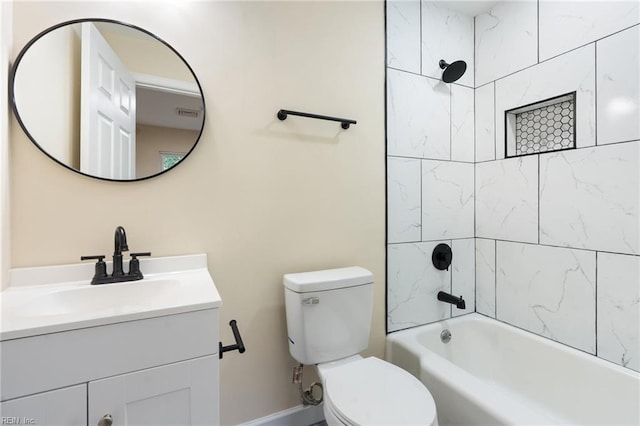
<point>143,253</point>
<point>101,268</point>
<point>134,265</point>
<point>99,257</point>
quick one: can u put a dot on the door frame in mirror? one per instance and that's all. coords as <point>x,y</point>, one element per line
<point>32,41</point>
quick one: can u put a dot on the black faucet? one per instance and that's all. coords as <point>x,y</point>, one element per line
<point>446,297</point>
<point>118,275</point>
<point>120,245</point>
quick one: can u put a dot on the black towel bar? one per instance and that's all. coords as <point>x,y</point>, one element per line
<point>344,122</point>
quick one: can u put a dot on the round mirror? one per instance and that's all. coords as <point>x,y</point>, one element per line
<point>107,99</point>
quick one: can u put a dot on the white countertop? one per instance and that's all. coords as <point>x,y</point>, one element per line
<point>52,299</point>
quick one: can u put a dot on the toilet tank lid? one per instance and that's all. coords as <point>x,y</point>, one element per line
<point>328,279</point>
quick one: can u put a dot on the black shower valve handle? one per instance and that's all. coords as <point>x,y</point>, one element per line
<point>442,257</point>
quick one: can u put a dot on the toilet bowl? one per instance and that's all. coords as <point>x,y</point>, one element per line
<point>328,323</point>
<point>369,391</point>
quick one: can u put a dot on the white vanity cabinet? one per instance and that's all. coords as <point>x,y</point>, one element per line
<point>179,394</point>
<point>155,371</point>
<point>67,406</point>
<point>145,352</point>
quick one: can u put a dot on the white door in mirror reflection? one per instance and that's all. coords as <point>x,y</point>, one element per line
<point>108,105</point>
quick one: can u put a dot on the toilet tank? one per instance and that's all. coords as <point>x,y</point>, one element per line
<point>328,313</point>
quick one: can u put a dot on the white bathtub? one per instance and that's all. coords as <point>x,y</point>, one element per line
<point>491,373</point>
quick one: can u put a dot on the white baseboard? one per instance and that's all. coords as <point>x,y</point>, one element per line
<point>297,416</point>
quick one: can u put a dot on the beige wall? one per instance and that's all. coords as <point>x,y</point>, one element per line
<point>151,140</point>
<point>47,92</point>
<point>261,197</point>
<point>145,55</point>
<point>5,52</point>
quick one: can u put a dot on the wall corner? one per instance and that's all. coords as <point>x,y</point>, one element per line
<point>6,29</point>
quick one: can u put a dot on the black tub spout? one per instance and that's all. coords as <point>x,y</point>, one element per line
<point>446,297</point>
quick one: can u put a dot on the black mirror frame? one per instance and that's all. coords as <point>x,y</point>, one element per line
<point>23,51</point>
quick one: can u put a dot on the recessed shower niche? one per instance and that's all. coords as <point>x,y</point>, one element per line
<point>544,126</point>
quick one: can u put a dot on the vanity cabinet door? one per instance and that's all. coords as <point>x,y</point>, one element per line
<point>181,394</point>
<point>62,407</point>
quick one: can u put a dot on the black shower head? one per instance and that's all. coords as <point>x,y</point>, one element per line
<point>452,72</point>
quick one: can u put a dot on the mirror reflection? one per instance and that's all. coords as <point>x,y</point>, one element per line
<point>107,100</point>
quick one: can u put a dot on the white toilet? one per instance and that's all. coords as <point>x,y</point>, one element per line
<point>328,322</point>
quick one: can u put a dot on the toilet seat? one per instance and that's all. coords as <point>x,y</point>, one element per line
<point>371,391</point>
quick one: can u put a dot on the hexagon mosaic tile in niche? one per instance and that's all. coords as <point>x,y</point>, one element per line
<point>548,128</point>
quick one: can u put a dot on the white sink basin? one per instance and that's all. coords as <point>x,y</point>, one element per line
<point>98,299</point>
<point>51,299</point>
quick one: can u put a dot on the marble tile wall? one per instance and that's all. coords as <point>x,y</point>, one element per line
<point>463,274</point>
<point>462,123</point>
<point>566,25</point>
<point>430,161</point>
<point>447,200</point>
<point>485,123</point>
<point>413,284</point>
<point>548,290</point>
<point>618,65</point>
<point>506,39</point>
<point>448,35</point>
<point>418,116</point>
<point>546,242</point>
<point>507,199</point>
<point>404,195</point>
<point>557,248</point>
<point>403,36</point>
<point>589,198</point>
<point>486,277</point>
<point>618,298</point>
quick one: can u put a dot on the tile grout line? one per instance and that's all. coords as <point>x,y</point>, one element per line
<point>475,142</point>
<point>595,93</point>
<point>386,177</point>
<point>539,196</point>
<point>556,56</point>
<point>421,202</point>
<point>595,136</point>
<point>595,350</point>
<point>433,241</point>
<point>495,137</point>
<point>538,28</point>
<point>427,76</point>
<point>451,280</point>
<point>562,150</point>
<point>450,123</point>
<point>559,247</point>
<point>420,41</point>
<point>495,279</point>
<point>430,159</point>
